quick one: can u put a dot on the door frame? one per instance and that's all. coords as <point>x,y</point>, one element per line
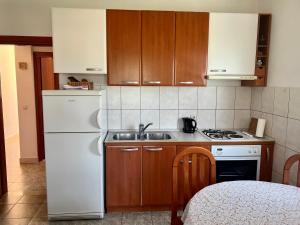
<point>37,56</point>
<point>14,40</point>
<point>3,172</point>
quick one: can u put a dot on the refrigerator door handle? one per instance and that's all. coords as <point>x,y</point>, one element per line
<point>98,118</point>
<point>99,145</point>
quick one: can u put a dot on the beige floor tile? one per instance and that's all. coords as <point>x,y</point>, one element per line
<point>11,198</point>
<point>42,212</point>
<point>14,221</point>
<point>32,199</point>
<point>4,208</point>
<point>23,211</point>
<point>137,218</point>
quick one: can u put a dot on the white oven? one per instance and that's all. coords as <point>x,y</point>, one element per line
<point>237,162</point>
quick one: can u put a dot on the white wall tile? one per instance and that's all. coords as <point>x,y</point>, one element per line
<point>269,123</point>
<point>130,97</point>
<point>276,177</point>
<point>168,98</point>
<point>149,97</point>
<point>130,119</point>
<point>279,128</point>
<point>225,97</point>
<point>113,97</point>
<point>256,114</point>
<point>293,135</point>
<point>241,119</point>
<point>281,101</point>
<point>206,119</point>
<point>114,119</point>
<point>256,98</point>
<point>168,119</point>
<point>187,98</point>
<point>279,158</point>
<point>207,98</point>
<point>224,119</point>
<point>268,100</point>
<point>294,104</point>
<point>150,116</point>
<point>243,98</point>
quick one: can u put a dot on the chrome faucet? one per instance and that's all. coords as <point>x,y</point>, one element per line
<point>142,129</point>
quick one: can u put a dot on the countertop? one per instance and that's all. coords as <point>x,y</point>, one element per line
<point>178,137</point>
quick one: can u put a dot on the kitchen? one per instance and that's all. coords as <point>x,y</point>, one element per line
<point>157,67</point>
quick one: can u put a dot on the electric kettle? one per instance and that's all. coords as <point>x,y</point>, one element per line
<point>189,125</point>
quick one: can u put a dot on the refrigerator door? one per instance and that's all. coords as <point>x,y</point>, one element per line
<point>72,113</point>
<point>75,178</point>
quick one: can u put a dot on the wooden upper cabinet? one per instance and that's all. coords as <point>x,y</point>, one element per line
<point>123,176</point>
<point>158,40</point>
<point>124,47</point>
<point>191,48</point>
<point>157,175</point>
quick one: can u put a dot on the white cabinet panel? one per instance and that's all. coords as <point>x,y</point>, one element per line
<point>72,113</point>
<point>74,169</point>
<point>79,40</point>
<point>232,43</point>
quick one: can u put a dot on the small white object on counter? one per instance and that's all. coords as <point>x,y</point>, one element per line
<point>260,128</point>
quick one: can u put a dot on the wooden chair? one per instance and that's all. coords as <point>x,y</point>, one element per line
<point>191,160</point>
<point>289,163</point>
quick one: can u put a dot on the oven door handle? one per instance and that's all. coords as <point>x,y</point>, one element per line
<point>235,158</point>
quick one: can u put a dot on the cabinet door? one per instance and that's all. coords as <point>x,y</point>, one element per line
<point>191,48</point>
<point>158,39</point>
<point>266,163</point>
<point>204,169</point>
<point>157,175</point>
<point>79,40</point>
<point>123,176</point>
<point>232,43</point>
<point>123,47</point>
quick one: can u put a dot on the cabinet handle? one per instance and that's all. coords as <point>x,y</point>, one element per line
<point>130,149</point>
<point>154,149</point>
<point>220,70</point>
<point>93,69</point>
<point>186,82</point>
<point>130,82</point>
<point>190,161</point>
<point>152,82</point>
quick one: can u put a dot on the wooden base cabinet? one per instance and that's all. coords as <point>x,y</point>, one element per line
<point>157,175</point>
<point>266,163</point>
<point>123,176</point>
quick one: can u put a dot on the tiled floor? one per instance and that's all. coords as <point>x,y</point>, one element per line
<point>25,202</point>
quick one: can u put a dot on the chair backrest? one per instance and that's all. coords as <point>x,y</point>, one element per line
<point>191,160</point>
<point>286,173</point>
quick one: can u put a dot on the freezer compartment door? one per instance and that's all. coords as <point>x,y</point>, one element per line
<point>72,113</point>
<point>74,171</point>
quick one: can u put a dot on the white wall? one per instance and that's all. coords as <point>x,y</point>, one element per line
<point>32,17</point>
<point>9,90</point>
<point>26,99</point>
<point>284,69</point>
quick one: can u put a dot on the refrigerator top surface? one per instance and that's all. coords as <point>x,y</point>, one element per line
<point>73,92</point>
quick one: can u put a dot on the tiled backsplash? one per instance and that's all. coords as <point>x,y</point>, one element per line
<point>213,107</point>
<point>281,108</point>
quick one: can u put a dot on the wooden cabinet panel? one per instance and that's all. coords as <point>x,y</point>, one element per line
<point>204,169</point>
<point>123,176</point>
<point>191,48</point>
<point>157,175</point>
<point>124,47</point>
<point>158,40</point>
<point>266,164</point>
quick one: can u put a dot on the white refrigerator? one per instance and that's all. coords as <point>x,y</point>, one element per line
<point>75,127</point>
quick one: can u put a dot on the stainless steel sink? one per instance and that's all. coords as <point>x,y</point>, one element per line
<point>134,136</point>
<point>157,136</point>
<point>125,136</point>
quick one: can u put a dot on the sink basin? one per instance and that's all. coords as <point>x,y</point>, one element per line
<point>157,136</point>
<point>133,136</point>
<point>125,136</point>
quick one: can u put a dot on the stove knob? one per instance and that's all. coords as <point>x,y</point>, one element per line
<point>250,151</point>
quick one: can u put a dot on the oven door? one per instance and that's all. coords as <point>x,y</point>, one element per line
<point>237,168</point>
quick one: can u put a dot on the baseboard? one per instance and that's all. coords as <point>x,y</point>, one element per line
<point>29,160</point>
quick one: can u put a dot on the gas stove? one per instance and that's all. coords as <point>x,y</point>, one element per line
<point>224,135</point>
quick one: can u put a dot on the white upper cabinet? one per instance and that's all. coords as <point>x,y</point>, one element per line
<point>79,40</point>
<point>232,43</point>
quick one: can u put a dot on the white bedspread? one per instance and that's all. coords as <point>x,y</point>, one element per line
<point>244,202</point>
